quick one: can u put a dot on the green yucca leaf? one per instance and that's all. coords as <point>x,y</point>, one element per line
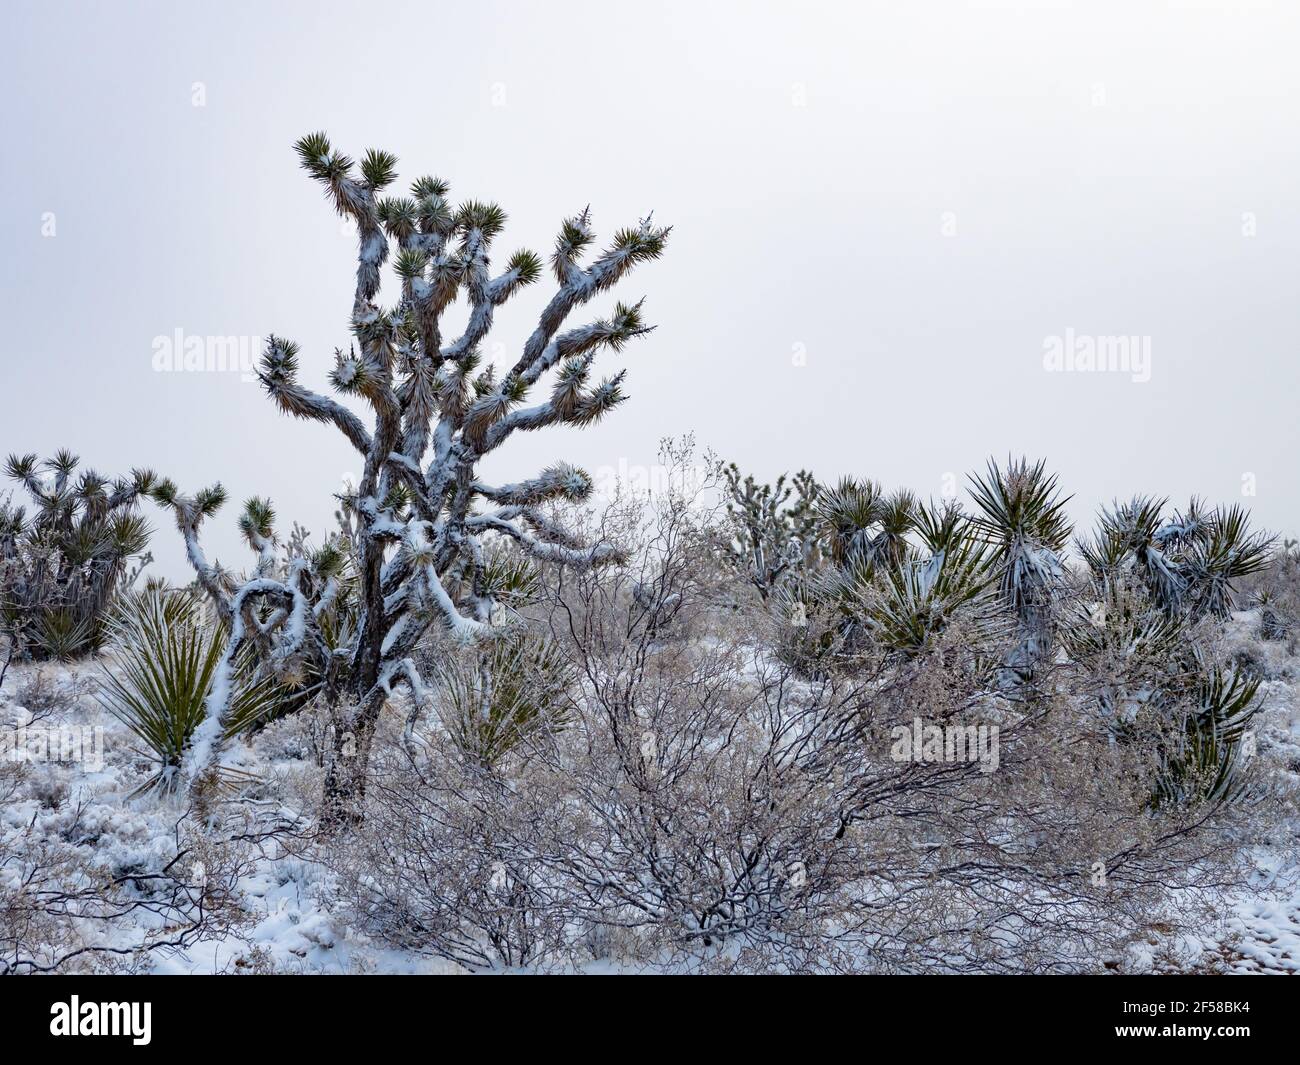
<point>399,215</point>
<point>600,401</point>
<point>510,579</point>
<point>85,542</point>
<point>142,481</point>
<point>166,492</point>
<point>487,218</point>
<point>846,515</point>
<point>62,632</point>
<point>21,467</point>
<point>379,168</point>
<point>398,498</point>
<point>574,236</point>
<point>410,263</point>
<point>319,160</point>
<point>329,560</point>
<point>1021,502</point>
<point>312,148</point>
<point>1202,764</point>
<point>128,534</point>
<point>63,462</point>
<point>280,359</point>
<point>436,216</point>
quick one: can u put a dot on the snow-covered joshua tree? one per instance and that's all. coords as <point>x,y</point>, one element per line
<point>423,512</point>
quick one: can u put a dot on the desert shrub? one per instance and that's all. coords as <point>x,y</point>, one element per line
<point>436,868</point>
<point>43,692</point>
<point>165,659</point>
<point>62,565</point>
<point>62,908</point>
<point>709,805</point>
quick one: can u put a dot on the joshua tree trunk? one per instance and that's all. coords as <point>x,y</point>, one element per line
<point>344,790</point>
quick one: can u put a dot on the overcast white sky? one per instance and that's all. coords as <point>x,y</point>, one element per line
<point>912,197</point>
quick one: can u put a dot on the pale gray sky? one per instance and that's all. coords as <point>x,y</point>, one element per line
<point>907,198</point>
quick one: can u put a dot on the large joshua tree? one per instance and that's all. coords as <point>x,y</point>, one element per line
<point>424,517</point>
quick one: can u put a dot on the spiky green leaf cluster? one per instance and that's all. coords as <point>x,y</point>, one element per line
<point>486,218</point>
<point>527,265</point>
<point>379,168</point>
<point>493,699</point>
<point>166,656</point>
<point>257,520</point>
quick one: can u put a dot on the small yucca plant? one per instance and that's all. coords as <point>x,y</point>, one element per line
<point>1202,762</point>
<point>913,602</point>
<point>167,652</point>
<point>1022,516</point>
<point>491,698</point>
<point>61,633</point>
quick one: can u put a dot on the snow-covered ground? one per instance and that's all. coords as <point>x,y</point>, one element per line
<point>289,922</point>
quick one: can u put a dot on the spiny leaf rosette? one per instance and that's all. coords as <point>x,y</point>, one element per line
<point>434,412</point>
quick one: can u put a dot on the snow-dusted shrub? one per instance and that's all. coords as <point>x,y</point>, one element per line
<point>43,692</point>
<point>708,806</point>
<point>70,902</point>
<point>62,564</point>
<point>438,865</point>
<point>166,654</point>
<point>425,518</point>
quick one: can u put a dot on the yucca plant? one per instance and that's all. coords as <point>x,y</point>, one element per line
<point>1226,552</point>
<point>166,653</point>
<point>507,579</point>
<point>1022,517</point>
<point>62,564</point>
<point>1157,689</point>
<point>856,521</point>
<point>492,697</point>
<point>1190,562</point>
<point>61,632</point>
<point>1132,538</point>
<point>1125,642</point>
<point>1201,761</point>
<point>434,413</point>
<point>810,623</point>
<point>912,602</point>
<point>1275,592</point>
